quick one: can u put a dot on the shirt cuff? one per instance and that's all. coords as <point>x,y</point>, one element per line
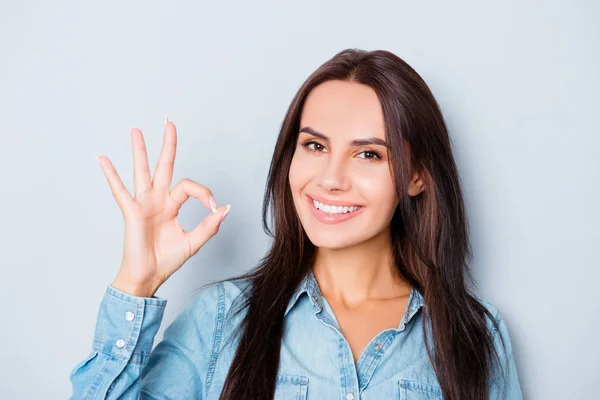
<point>127,324</point>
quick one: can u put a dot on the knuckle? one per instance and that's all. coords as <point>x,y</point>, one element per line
<point>213,230</point>
<point>197,187</point>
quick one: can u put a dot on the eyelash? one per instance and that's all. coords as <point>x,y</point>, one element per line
<point>309,142</point>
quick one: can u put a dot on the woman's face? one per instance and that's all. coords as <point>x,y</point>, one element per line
<point>341,161</point>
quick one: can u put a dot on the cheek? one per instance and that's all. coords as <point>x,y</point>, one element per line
<point>298,176</point>
<point>378,190</point>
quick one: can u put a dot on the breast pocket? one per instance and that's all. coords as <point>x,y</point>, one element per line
<point>291,387</point>
<point>413,390</point>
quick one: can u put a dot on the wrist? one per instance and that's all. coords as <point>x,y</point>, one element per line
<point>134,289</point>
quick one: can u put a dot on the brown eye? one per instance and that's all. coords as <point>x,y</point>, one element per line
<point>373,154</point>
<point>317,146</point>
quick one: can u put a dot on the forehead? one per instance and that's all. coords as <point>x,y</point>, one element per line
<point>344,109</point>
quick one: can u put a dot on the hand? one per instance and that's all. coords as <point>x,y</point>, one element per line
<point>155,245</point>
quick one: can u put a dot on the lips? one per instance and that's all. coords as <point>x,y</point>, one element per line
<point>332,202</point>
<point>331,219</point>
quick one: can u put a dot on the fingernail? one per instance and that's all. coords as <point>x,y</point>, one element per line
<point>98,157</point>
<point>213,204</point>
<point>166,121</point>
<point>227,208</point>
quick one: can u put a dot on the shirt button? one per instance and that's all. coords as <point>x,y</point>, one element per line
<point>129,316</point>
<point>120,343</point>
<point>377,347</point>
<point>350,396</point>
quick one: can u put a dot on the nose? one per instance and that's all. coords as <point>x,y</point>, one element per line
<point>334,175</point>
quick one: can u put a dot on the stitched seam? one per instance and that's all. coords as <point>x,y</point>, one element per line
<point>136,327</point>
<point>142,354</point>
<point>149,302</point>
<point>418,386</point>
<point>376,358</point>
<point>216,337</point>
<point>101,376</point>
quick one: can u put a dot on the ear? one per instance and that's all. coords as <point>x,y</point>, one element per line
<point>416,185</point>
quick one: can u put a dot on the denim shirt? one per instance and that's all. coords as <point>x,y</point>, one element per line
<point>316,362</point>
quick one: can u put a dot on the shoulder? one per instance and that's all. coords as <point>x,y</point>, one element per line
<point>494,322</point>
<point>192,342</point>
<point>204,317</point>
<point>497,328</point>
<point>215,299</point>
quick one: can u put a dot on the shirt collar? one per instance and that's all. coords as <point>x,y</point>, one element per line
<point>307,285</point>
<point>310,286</point>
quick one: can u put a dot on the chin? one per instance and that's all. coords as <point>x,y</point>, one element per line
<point>331,241</point>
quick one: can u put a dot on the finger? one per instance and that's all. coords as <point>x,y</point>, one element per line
<point>187,188</point>
<point>119,191</point>
<point>206,229</point>
<point>164,170</point>
<point>141,170</point>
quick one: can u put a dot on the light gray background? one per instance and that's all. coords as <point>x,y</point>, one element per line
<point>517,81</point>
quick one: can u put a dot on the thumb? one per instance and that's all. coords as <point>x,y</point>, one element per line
<point>207,228</point>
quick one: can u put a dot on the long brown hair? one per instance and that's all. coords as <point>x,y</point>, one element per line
<point>429,231</point>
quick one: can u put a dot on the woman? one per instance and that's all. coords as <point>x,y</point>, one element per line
<point>364,293</point>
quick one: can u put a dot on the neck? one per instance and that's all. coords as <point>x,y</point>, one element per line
<point>359,273</point>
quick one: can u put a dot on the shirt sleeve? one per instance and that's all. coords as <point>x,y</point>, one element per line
<point>125,329</point>
<point>507,386</point>
<point>122,364</point>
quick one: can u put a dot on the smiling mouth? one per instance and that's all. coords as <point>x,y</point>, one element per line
<point>334,210</point>
<point>330,214</point>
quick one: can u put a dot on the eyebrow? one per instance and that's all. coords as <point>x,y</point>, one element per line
<point>355,142</point>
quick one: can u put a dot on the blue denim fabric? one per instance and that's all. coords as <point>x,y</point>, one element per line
<point>192,360</point>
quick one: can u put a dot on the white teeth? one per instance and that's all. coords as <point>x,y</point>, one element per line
<point>334,209</point>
